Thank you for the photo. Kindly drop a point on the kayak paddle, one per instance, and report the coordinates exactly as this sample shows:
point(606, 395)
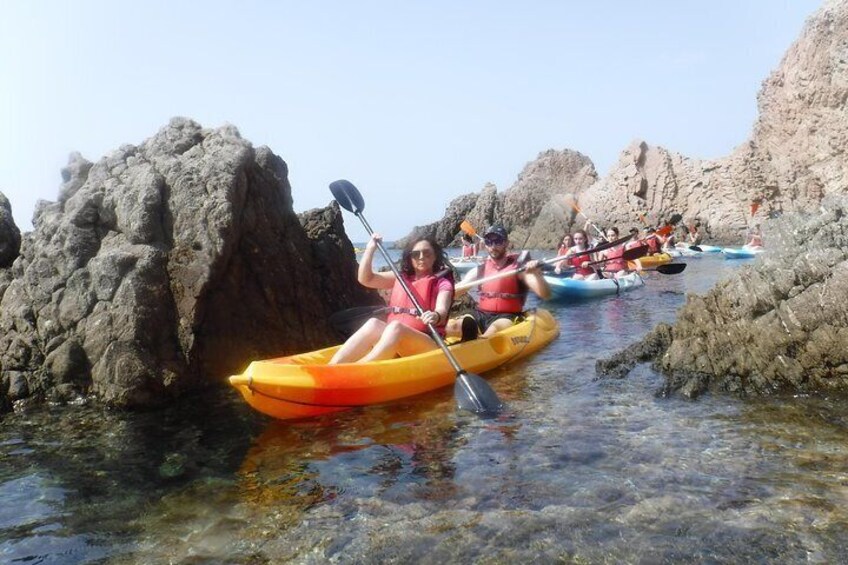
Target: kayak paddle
point(471, 391)
point(628, 255)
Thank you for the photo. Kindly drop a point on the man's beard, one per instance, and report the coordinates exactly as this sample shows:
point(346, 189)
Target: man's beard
point(497, 253)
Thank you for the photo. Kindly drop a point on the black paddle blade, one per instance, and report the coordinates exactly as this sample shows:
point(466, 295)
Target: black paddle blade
point(671, 268)
point(635, 252)
point(695, 248)
point(474, 394)
point(347, 196)
point(346, 322)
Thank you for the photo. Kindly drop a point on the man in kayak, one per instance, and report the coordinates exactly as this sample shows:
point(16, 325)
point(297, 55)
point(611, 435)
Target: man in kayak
point(405, 332)
point(501, 302)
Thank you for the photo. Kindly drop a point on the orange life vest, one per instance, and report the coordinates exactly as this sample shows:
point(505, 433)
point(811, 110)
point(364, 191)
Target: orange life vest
point(577, 260)
point(616, 263)
point(401, 308)
point(502, 296)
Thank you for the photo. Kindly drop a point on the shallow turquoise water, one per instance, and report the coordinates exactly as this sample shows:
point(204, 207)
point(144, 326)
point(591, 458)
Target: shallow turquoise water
point(578, 469)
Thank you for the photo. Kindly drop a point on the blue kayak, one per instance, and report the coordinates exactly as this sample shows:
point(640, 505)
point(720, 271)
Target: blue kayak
point(570, 289)
point(741, 252)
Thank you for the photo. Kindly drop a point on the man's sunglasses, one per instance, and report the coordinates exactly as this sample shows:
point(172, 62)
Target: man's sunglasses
point(494, 240)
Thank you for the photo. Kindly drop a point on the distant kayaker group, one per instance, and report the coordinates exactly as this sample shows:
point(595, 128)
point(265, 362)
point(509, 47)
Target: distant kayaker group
point(427, 272)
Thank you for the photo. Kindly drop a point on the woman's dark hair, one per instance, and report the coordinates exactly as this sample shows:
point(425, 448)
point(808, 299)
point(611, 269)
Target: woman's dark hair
point(585, 238)
point(441, 263)
point(467, 238)
point(615, 230)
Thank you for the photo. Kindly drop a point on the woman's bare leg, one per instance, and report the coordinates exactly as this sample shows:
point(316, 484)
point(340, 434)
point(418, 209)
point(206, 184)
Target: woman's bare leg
point(398, 339)
point(360, 342)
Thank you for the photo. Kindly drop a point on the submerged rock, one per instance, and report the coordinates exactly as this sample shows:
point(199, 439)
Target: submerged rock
point(779, 325)
point(166, 266)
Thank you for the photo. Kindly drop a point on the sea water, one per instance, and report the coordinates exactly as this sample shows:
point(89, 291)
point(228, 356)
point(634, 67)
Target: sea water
point(576, 469)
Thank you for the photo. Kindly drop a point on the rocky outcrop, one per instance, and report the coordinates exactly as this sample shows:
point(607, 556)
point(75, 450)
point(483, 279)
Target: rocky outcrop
point(166, 266)
point(780, 325)
point(534, 209)
point(10, 235)
point(794, 157)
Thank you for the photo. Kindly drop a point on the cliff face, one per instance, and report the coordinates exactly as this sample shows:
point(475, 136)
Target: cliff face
point(780, 325)
point(795, 157)
point(534, 210)
point(166, 266)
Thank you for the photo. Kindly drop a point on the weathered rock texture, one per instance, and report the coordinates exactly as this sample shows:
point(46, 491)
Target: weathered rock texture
point(10, 235)
point(795, 156)
point(780, 325)
point(534, 209)
point(166, 266)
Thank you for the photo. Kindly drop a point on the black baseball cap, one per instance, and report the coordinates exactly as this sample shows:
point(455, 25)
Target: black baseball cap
point(496, 230)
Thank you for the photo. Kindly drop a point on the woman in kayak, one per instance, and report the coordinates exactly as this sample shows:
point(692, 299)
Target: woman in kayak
point(423, 268)
point(615, 266)
point(469, 248)
point(580, 263)
point(566, 244)
point(755, 240)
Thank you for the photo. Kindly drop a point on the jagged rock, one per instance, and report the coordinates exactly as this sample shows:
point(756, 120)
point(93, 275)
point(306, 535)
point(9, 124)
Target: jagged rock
point(779, 325)
point(533, 209)
point(10, 235)
point(164, 267)
point(795, 157)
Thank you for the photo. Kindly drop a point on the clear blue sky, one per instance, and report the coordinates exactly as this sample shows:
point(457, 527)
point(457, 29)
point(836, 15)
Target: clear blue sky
point(416, 103)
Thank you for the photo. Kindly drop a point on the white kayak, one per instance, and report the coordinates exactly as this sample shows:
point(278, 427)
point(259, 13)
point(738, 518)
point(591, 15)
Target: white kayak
point(571, 289)
point(465, 264)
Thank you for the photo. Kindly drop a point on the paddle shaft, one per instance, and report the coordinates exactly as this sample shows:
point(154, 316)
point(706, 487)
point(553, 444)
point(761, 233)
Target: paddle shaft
point(471, 284)
point(591, 223)
point(435, 334)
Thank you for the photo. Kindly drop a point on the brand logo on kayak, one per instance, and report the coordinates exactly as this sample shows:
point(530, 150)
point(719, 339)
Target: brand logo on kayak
point(520, 339)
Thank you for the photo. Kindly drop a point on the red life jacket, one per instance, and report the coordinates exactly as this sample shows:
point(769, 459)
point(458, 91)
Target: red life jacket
point(616, 263)
point(577, 260)
point(563, 249)
point(402, 309)
point(468, 250)
point(503, 296)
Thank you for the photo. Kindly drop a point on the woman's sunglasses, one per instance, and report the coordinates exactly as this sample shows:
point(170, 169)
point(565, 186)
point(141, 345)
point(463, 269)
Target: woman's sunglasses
point(421, 254)
point(492, 241)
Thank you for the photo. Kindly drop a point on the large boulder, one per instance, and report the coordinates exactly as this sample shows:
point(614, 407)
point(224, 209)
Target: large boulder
point(780, 325)
point(165, 267)
point(10, 235)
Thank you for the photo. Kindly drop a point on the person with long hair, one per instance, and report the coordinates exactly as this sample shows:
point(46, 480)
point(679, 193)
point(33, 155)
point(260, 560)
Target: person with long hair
point(423, 268)
point(580, 263)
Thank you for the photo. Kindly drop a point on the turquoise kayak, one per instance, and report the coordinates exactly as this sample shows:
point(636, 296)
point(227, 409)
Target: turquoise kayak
point(710, 249)
point(570, 289)
point(741, 252)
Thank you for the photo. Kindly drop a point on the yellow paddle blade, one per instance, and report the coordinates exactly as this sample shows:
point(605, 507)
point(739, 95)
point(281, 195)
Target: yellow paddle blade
point(466, 227)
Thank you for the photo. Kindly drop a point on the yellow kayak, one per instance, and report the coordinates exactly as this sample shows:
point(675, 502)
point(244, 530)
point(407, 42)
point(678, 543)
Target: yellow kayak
point(304, 385)
point(649, 261)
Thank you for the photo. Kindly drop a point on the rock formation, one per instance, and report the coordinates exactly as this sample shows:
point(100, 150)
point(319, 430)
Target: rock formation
point(795, 157)
point(10, 235)
point(534, 209)
point(780, 325)
point(166, 266)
